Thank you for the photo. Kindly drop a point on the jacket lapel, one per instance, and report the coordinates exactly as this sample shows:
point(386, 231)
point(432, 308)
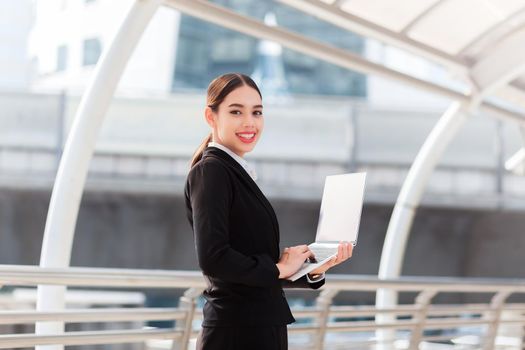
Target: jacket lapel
point(247, 179)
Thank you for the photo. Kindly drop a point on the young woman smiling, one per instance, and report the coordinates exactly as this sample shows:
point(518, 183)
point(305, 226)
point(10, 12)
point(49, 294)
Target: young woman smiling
point(236, 231)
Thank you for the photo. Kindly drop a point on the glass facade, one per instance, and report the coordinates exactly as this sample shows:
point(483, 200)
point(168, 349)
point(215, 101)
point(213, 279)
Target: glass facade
point(206, 50)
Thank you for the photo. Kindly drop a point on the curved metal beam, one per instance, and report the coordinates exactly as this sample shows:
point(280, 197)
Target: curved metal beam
point(502, 65)
point(73, 168)
point(406, 205)
point(517, 16)
point(408, 27)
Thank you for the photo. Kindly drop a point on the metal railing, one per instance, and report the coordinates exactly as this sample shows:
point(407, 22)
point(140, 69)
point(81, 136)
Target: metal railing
point(329, 327)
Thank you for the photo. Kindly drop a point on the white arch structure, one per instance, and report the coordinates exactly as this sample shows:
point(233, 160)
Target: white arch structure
point(491, 61)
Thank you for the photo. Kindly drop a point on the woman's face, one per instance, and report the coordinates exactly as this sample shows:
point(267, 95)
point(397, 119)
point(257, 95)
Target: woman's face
point(239, 122)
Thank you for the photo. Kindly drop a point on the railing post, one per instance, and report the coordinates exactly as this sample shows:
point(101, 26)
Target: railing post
point(323, 302)
point(188, 302)
point(496, 306)
point(423, 302)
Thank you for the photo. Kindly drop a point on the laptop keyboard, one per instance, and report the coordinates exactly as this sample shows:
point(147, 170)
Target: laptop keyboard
point(322, 253)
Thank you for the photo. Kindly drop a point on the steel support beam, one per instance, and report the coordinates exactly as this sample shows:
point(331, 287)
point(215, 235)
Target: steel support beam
point(72, 172)
point(502, 65)
point(406, 205)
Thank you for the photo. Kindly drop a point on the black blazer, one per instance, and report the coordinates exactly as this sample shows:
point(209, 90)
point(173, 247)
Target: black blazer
point(236, 237)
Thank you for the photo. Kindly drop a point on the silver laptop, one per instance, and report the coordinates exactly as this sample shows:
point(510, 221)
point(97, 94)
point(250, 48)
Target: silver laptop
point(339, 218)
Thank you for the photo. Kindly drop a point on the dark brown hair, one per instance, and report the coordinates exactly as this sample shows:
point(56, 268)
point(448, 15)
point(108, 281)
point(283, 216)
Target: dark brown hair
point(218, 89)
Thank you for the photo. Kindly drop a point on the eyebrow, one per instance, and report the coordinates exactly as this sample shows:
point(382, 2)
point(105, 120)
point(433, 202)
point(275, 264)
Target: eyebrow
point(240, 105)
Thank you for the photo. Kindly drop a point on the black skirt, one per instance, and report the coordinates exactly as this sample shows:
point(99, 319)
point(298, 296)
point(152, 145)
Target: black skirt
point(242, 338)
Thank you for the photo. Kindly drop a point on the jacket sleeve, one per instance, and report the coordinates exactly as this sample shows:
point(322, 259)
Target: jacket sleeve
point(209, 192)
point(302, 283)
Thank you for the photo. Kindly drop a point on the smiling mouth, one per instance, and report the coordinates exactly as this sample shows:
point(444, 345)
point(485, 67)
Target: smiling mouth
point(246, 137)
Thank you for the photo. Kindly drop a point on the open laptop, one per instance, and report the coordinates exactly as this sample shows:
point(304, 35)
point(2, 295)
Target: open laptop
point(339, 218)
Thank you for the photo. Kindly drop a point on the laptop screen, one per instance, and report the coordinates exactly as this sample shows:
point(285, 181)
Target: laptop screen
point(341, 207)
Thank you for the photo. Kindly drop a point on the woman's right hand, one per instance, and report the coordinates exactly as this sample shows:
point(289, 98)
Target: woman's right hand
point(292, 259)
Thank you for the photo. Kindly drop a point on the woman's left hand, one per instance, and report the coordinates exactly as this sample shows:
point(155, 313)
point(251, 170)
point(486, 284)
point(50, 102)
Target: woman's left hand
point(344, 253)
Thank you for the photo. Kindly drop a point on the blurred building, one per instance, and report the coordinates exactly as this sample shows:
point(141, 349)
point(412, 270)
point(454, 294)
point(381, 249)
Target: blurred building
point(179, 53)
point(16, 19)
point(206, 50)
point(69, 36)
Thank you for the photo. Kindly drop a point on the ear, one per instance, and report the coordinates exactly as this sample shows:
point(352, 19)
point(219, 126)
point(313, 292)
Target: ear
point(209, 116)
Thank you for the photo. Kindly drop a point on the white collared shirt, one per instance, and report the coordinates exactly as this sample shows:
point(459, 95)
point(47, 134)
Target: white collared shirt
point(247, 166)
point(251, 171)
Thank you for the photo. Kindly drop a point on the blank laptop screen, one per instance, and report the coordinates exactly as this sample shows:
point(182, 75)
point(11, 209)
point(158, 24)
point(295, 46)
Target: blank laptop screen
point(341, 207)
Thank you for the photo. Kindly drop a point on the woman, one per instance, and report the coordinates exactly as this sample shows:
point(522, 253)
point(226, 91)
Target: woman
point(236, 231)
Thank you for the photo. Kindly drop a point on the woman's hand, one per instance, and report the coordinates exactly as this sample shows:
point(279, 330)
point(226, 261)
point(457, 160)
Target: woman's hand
point(292, 259)
point(344, 253)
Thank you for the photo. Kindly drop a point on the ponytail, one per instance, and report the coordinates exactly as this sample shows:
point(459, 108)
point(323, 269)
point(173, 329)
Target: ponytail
point(198, 153)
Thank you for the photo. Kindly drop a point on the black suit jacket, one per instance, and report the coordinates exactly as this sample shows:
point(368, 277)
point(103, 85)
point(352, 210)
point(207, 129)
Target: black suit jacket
point(236, 237)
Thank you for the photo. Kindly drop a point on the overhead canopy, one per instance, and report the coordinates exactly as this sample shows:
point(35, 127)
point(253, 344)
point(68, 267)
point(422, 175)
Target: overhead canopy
point(481, 40)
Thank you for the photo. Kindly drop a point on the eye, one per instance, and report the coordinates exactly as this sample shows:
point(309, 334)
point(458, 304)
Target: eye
point(235, 112)
point(258, 113)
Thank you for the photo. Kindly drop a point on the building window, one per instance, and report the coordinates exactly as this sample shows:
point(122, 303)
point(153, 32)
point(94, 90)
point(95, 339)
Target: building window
point(233, 48)
point(92, 49)
point(61, 58)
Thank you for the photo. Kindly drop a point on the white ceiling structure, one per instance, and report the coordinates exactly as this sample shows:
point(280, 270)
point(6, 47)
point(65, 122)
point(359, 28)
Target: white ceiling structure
point(482, 41)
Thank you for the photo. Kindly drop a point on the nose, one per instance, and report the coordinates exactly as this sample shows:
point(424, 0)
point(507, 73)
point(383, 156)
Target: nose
point(249, 121)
